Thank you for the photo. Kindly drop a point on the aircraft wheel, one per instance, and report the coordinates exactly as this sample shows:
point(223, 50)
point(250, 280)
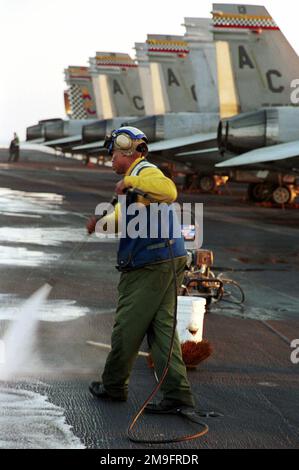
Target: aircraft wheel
point(206, 183)
point(283, 195)
point(259, 192)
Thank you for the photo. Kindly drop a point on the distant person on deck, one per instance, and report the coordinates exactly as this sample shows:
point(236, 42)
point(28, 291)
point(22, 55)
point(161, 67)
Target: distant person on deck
point(14, 149)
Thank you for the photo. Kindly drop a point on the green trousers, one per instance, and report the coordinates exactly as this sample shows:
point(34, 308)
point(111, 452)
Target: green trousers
point(145, 306)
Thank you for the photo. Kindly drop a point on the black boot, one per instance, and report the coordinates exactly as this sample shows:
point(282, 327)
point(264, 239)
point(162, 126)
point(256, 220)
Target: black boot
point(98, 390)
point(167, 406)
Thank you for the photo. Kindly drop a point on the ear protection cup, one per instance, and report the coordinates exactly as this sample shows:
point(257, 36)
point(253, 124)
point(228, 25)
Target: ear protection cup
point(123, 142)
point(126, 139)
point(142, 148)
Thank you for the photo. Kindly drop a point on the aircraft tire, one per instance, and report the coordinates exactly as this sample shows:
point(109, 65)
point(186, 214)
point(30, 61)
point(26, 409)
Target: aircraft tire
point(260, 192)
point(206, 183)
point(283, 195)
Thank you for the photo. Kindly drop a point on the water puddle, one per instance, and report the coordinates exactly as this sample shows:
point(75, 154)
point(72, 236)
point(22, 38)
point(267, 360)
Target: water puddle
point(17, 202)
point(16, 256)
point(44, 236)
point(26, 216)
point(29, 421)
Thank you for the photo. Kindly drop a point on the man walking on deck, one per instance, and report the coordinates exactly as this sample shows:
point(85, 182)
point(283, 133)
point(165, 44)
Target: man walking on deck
point(146, 288)
point(14, 149)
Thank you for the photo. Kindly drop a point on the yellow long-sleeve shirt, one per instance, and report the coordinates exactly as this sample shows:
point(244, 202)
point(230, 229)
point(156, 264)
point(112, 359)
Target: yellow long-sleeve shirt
point(150, 181)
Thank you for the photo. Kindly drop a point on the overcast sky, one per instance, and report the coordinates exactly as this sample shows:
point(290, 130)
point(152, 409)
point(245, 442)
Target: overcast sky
point(39, 38)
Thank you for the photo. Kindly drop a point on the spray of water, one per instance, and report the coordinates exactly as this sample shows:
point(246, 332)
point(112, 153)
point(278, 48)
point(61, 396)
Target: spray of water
point(20, 337)
point(27, 419)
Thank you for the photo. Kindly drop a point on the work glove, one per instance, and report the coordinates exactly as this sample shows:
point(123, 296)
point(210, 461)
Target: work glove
point(91, 224)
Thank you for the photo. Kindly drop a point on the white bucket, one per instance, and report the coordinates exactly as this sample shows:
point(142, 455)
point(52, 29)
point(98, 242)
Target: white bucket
point(191, 311)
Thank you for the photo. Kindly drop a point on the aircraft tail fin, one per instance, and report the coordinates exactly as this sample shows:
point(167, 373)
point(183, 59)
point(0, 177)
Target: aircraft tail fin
point(172, 71)
point(199, 36)
point(153, 98)
point(256, 63)
point(117, 84)
point(79, 98)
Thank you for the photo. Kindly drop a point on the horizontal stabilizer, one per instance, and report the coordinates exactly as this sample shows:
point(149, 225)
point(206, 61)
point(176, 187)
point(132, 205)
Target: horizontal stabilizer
point(264, 155)
point(181, 142)
point(65, 140)
point(39, 148)
point(36, 141)
point(98, 144)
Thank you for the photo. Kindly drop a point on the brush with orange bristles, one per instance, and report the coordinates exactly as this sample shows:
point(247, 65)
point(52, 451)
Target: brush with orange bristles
point(190, 319)
point(193, 353)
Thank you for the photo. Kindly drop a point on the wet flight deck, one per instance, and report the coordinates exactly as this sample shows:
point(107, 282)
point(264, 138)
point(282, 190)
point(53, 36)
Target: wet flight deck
point(250, 378)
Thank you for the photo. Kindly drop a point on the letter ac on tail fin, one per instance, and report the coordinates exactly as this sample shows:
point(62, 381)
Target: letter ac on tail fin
point(117, 84)
point(170, 56)
point(263, 62)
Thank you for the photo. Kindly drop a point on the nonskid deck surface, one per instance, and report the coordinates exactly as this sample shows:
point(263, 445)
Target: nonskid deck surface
point(249, 378)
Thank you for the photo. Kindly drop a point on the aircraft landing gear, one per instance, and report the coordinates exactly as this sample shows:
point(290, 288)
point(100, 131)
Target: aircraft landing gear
point(284, 195)
point(260, 192)
point(204, 183)
point(269, 192)
point(207, 183)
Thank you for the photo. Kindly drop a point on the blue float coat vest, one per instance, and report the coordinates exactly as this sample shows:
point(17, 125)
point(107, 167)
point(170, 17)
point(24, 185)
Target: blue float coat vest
point(143, 250)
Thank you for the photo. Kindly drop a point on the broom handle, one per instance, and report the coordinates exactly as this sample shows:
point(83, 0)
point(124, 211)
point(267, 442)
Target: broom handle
point(108, 347)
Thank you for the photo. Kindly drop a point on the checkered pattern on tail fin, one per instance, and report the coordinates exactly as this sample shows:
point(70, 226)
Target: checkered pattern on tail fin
point(243, 21)
point(77, 103)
